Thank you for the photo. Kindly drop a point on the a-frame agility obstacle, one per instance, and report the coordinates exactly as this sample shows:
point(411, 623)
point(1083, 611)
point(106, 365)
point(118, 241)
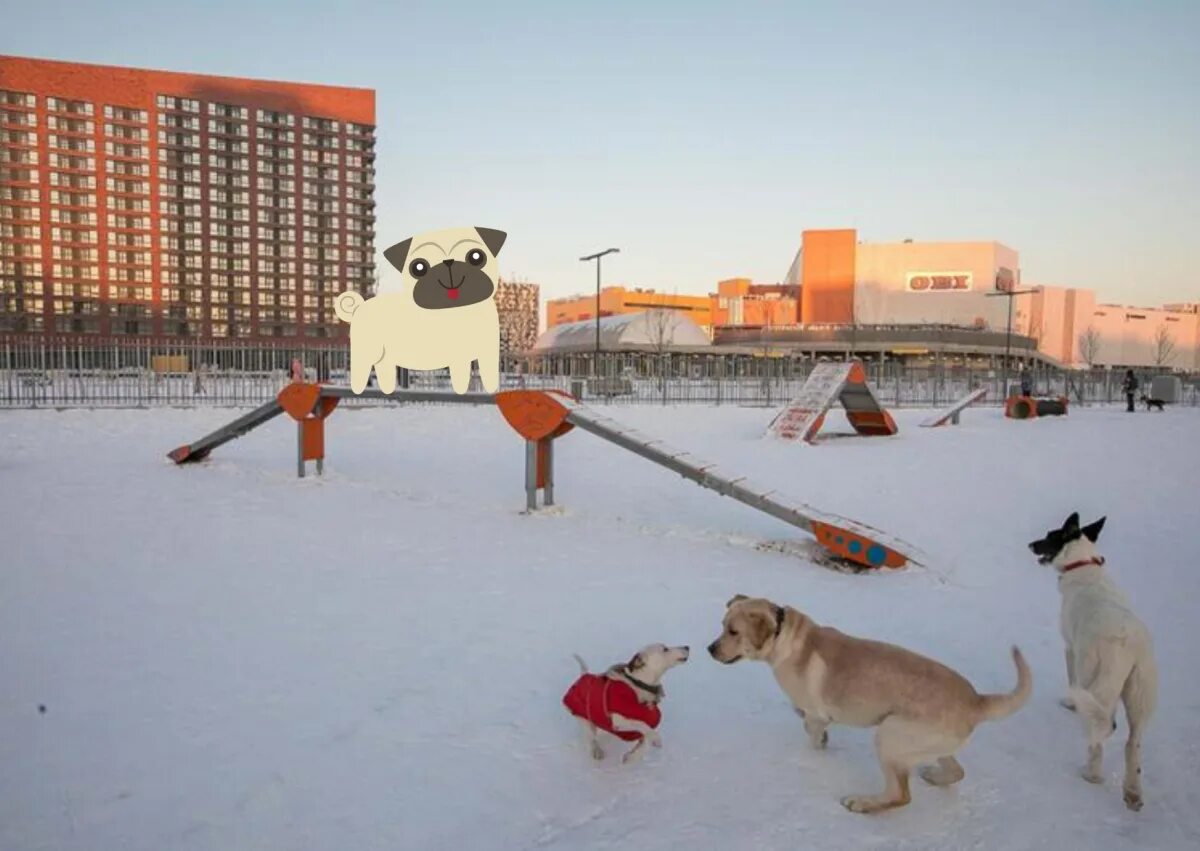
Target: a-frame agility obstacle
point(844, 382)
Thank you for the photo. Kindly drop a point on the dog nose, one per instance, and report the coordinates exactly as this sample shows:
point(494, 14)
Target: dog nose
point(449, 264)
point(712, 649)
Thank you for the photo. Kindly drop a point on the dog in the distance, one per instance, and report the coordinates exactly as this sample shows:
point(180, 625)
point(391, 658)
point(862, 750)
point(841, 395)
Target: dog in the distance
point(624, 700)
point(1109, 656)
point(1153, 403)
point(923, 711)
point(444, 314)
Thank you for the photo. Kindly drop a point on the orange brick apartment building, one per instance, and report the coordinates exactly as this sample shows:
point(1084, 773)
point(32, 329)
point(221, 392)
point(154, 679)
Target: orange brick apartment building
point(150, 203)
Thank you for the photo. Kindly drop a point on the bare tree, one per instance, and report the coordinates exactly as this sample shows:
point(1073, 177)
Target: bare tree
point(1164, 346)
point(661, 323)
point(1089, 345)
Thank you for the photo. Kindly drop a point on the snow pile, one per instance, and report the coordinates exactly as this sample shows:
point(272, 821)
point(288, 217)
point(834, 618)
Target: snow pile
point(231, 658)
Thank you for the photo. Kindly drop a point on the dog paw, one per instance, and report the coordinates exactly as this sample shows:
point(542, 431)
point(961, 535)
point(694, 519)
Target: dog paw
point(656, 741)
point(859, 803)
point(1091, 776)
point(1133, 800)
point(1067, 703)
point(597, 751)
point(631, 757)
point(821, 742)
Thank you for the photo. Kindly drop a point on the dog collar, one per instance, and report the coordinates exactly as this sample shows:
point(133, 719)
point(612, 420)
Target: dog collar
point(1084, 563)
point(654, 690)
point(780, 614)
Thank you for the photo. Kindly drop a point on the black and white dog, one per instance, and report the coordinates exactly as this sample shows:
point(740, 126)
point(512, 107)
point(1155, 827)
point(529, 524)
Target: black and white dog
point(1153, 403)
point(1110, 656)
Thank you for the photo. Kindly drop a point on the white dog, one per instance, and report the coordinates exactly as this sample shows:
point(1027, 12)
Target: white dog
point(624, 700)
point(1110, 656)
point(444, 316)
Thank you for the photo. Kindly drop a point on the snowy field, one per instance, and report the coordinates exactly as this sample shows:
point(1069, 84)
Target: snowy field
point(231, 658)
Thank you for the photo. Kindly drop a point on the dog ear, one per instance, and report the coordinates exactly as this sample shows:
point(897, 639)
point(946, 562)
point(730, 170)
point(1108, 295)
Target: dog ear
point(398, 253)
point(636, 663)
point(1092, 530)
point(761, 628)
point(493, 239)
point(737, 598)
point(1072, 524)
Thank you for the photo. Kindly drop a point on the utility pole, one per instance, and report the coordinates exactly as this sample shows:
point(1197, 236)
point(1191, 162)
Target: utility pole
point(1009, 293)
point(596, 257)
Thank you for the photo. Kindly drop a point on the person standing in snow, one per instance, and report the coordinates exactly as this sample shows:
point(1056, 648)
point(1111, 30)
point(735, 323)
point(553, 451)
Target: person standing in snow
point(1026, 382)
point(1129, 386)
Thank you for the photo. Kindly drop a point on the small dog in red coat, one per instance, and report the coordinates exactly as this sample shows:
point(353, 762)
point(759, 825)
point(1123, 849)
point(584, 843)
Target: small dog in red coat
point(624, 699)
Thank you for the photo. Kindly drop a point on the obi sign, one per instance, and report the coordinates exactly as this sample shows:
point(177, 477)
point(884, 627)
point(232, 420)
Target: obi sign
point(919, 282)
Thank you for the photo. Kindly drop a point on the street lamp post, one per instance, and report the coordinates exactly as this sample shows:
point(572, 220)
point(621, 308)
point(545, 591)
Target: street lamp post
point(1008, 329)
point(596, 257)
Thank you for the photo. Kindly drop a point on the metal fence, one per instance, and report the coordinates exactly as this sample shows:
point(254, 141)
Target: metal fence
point(143, 373)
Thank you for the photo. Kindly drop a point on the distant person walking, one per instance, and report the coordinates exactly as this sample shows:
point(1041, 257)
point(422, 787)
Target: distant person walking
point(1129, 386)
point(197, 384)
point(1026, 382)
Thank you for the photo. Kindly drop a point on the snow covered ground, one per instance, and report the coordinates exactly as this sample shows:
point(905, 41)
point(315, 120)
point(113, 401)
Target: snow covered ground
point(231, 658)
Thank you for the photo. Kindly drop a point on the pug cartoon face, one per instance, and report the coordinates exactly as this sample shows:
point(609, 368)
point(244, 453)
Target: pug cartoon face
point(448, 268)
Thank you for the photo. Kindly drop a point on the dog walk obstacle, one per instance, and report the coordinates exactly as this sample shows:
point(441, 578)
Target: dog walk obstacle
point(950, 415)
point(1028, 408)
point(309, 405)
point(844, 382)
point(541, 417)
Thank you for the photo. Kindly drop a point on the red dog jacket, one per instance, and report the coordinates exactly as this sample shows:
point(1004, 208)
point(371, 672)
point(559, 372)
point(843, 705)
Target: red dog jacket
point(595, 698)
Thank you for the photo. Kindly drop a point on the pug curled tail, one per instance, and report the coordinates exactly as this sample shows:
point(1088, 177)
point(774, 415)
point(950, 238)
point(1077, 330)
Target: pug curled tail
point(346, 304)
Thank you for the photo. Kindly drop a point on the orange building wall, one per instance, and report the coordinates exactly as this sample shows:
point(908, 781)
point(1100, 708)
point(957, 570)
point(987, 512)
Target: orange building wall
point(827, 276)
point(136, 88)
point(620, 300)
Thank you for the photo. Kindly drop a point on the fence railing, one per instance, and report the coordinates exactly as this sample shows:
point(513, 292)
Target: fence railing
point(49, 373)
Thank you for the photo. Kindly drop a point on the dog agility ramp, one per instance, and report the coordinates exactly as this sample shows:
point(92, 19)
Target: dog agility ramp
point(537, 415)
point(199, 450)
point(950, 415)
point(844, 382)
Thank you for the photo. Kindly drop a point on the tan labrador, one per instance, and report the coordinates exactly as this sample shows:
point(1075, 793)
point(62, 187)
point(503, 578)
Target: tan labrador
point(923, 711)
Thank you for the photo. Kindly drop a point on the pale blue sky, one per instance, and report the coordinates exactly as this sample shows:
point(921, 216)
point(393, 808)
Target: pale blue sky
point(701, 138)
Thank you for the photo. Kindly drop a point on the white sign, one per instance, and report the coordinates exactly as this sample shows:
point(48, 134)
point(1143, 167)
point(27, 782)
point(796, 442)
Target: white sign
point(922, 282)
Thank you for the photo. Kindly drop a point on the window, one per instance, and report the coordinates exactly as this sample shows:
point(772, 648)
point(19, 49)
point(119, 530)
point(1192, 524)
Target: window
point(9, 193)
point(16, 155)
point(227, 111)
point(129, 222)
point(73, 107)
point(132, 187)
point(21, 119)
point(125, 113)
point(228, 146)
point(179, 104)
point(178, 139)
point(68, 143)
point(70, 125)
point(134, 169)
point(73, 181)
point(120, 149)
point(17, 98)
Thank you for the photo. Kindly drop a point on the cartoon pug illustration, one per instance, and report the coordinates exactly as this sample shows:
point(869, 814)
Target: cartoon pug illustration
point(444, 315)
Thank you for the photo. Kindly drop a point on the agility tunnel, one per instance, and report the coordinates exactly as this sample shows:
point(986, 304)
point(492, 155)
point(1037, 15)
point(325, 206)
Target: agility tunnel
point(1028, 408)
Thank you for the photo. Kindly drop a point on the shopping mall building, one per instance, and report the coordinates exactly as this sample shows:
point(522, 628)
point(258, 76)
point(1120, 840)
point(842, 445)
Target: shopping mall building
point(935, 301)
